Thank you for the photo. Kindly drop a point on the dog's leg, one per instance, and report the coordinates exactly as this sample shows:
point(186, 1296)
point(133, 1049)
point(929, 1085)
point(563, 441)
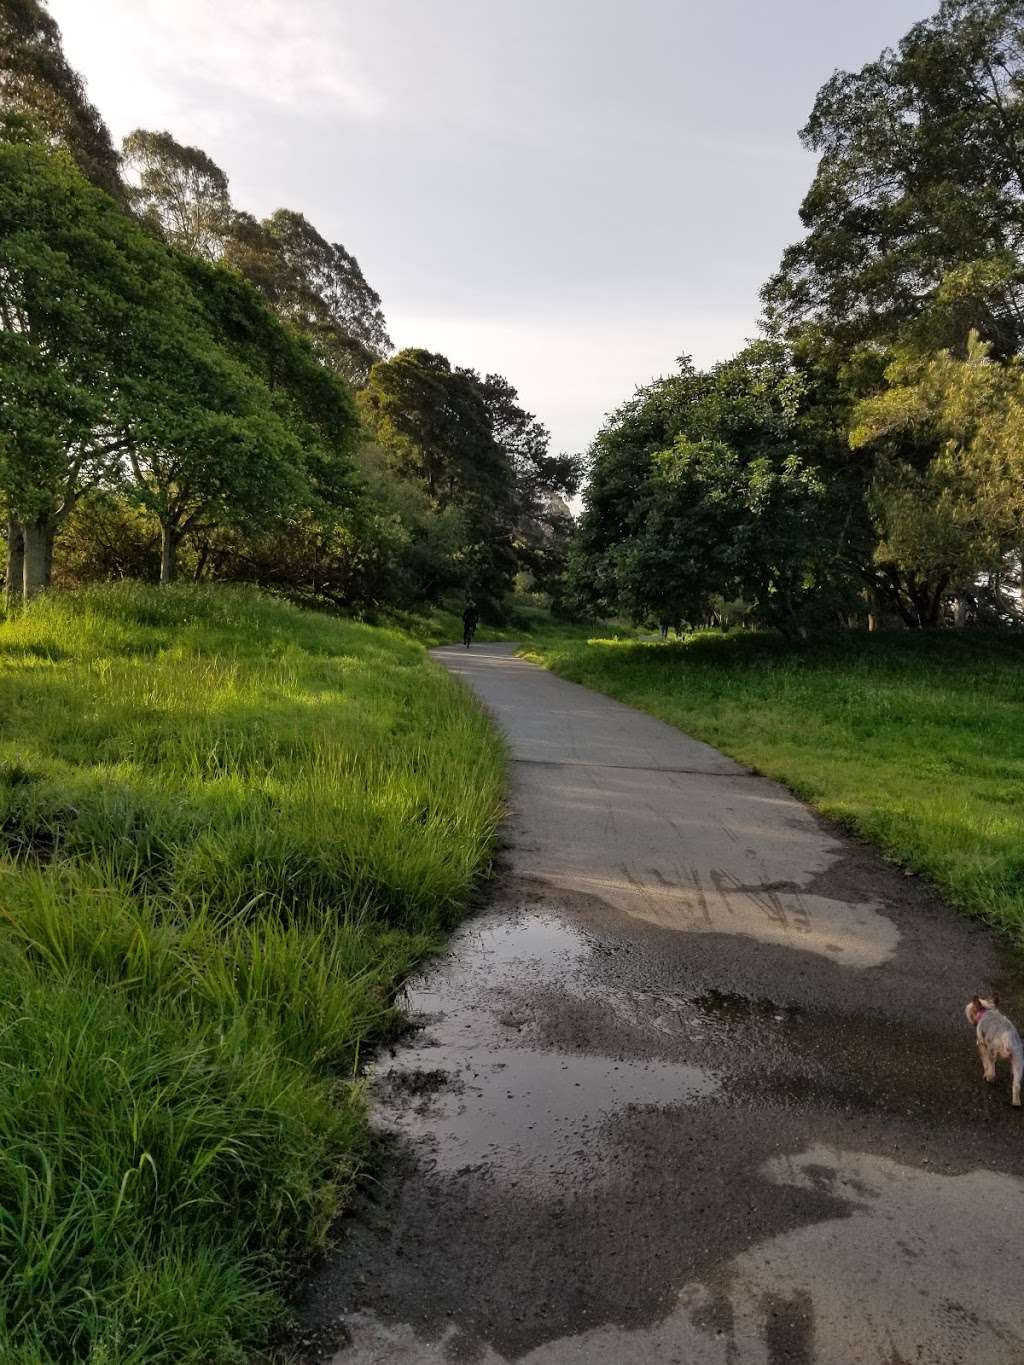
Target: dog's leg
point(987, 1062)
point(1017, 1062)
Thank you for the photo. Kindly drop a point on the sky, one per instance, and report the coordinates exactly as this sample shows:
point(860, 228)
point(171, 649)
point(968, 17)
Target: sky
point(568, 192)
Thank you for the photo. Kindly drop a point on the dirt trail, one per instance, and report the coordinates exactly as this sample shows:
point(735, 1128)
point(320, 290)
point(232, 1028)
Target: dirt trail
point(696, 1088)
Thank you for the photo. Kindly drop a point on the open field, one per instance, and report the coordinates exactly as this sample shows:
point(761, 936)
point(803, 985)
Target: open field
point(914, 741)
point(229, 829)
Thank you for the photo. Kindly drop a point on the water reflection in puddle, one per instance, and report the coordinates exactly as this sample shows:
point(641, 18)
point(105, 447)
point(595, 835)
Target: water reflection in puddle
point(472, 1090)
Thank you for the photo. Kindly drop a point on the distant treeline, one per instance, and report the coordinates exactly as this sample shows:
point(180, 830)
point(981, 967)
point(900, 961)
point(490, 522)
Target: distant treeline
point(864, 461)
point(184, 387)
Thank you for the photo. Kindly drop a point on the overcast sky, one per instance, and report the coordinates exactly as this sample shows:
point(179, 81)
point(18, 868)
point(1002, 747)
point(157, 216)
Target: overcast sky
point(569, 192)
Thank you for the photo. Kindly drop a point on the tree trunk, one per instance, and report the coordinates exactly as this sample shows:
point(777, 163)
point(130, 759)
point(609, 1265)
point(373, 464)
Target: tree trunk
point(168, 554)
point(933, 610)
point(37, 541)
point(14, 585)
point(200, 569)
point(960, 611)
point(48, 539)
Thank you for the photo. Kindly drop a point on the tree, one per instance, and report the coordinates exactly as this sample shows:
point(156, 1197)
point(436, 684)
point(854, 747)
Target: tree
point(124, 365)
point(62, 281)
point(301, 462)
point(460, 437)
point(947, 492)
point(713, 527)
point(724, 484)
point(433, 423)
point(180, 192)
point(916, 213)
point(315, 285)
point(36, 81)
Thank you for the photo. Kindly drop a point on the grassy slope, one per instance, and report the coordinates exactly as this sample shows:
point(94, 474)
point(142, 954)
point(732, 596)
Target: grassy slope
point(228, 828)
point(916, 742)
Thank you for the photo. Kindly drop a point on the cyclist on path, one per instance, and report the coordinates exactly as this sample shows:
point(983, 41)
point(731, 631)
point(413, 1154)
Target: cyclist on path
point(470, 617)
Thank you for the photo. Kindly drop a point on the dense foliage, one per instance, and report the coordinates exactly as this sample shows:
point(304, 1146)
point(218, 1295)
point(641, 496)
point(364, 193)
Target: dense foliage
point(185, 373)
point(861, 464)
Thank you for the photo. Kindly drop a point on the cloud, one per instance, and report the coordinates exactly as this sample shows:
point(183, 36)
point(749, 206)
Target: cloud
point(290, 55)
point(150, 62)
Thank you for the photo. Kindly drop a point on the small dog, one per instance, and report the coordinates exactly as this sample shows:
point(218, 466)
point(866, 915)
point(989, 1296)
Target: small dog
point(997, 1038)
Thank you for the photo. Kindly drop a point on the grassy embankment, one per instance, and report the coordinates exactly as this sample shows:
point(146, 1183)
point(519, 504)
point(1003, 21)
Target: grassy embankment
point(229, 828)
point(913, 741)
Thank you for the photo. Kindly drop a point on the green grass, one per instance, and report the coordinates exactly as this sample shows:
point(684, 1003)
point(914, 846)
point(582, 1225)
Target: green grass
point(228, 830)
point(914, 741)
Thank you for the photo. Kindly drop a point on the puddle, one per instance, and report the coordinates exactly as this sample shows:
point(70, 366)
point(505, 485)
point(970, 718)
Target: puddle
point(470, 1091)
point(923, 1267)
point(528, 949)
point(538, 1113)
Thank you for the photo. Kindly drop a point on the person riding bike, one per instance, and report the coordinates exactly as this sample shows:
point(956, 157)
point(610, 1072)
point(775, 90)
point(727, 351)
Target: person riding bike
point(470, 617)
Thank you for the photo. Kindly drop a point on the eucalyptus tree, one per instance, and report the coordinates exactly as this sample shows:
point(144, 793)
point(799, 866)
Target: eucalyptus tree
point(316, 285)
point(542, 483)
point(36, 81)
point(179, 191)
point(432, 421)
point(435, 425)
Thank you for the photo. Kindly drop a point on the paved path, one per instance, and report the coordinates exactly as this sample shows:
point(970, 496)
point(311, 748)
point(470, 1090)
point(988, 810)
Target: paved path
point(696, 1088)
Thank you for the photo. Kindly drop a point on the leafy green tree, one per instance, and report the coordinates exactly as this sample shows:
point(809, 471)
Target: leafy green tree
point(434, 424)
point(714, 527)
point(734, 483)
point(120, 368)
point(620, 466)
point(36, 81)
point(947, 493)
point(314, 284)
point(179, 191)
point(64, 276)
point(441, 426)
point(916, 213)
point(314, 401)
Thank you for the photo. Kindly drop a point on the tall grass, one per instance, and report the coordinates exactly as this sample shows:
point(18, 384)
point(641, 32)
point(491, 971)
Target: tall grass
point(913, 740)
point(227, 830)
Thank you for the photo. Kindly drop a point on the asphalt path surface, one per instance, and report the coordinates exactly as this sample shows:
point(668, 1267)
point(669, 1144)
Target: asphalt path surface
point(695, 1087)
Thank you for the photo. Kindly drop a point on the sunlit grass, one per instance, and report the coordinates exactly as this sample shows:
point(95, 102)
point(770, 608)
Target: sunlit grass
point(228, 829)
point(914, 741)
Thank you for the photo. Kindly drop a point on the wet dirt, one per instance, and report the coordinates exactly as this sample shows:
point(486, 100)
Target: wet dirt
point(635, 1137)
